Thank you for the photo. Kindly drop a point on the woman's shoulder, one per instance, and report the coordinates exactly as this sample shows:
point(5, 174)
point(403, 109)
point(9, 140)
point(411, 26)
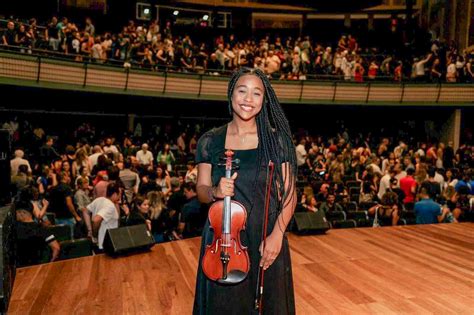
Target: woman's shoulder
point(212, 136)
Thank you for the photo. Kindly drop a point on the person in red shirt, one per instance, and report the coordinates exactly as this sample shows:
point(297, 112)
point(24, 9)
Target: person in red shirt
point(408, 185)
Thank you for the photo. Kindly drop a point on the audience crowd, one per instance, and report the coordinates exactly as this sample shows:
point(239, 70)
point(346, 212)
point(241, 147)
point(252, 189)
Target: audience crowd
point(98, 181)
point(158, 47)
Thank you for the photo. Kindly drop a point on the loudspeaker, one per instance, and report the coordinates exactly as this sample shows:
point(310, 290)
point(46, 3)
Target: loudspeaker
point(310, 222)
point(5, 154)
point(127, 239)
point(7, 255)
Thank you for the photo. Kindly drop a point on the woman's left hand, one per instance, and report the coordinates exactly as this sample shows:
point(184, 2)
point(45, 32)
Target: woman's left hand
point(272, 249)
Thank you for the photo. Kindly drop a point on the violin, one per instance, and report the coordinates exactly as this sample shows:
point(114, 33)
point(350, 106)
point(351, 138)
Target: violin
point(226, 260)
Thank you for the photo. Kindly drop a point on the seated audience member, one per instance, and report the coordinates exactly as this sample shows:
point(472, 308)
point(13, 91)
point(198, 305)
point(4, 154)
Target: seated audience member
point(191, 220)
point(21, 180)
point(429, 212)
point(387, 211)
point(310, 204)
point(32, 240)
point(105, 214)
point(463, 203)
point(139, 213)
point(330, 205)
point(368, 192)
point(158, 213)
point(40, 207)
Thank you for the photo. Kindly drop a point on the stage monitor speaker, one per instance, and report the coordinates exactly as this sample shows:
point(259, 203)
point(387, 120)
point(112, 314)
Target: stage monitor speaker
point(310, 222)
point(5, 155)
point(127, 239)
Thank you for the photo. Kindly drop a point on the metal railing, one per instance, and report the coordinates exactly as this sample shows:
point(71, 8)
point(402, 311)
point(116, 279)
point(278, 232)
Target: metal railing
point(26, 69)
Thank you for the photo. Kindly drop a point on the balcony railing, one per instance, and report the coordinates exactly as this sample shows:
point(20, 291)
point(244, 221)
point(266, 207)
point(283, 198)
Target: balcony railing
point(49, 72)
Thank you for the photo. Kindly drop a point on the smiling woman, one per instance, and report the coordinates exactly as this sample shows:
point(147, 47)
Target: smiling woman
point(258, 133)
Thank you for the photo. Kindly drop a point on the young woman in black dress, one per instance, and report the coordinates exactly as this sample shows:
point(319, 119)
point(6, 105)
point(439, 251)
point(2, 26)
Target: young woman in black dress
point(259, 132)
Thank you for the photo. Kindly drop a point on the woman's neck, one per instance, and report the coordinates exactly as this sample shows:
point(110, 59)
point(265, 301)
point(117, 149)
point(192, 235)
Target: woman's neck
point(242, 128)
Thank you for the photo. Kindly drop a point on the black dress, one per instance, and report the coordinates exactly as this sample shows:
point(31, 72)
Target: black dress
point(212, 298)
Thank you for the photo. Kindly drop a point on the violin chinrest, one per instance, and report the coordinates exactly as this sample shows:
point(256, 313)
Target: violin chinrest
point(233, 277)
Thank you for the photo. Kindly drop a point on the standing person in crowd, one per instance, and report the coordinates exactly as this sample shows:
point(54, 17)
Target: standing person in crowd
point(258, 132)
point(166, 157)
point(429, 212)
point(191, 173)
point(301, 152)
point(61, 202)
point(17, 161)
point(47, 152)
point(130, 180)
point(105, 214)
point(145, 158)
point(408, 185)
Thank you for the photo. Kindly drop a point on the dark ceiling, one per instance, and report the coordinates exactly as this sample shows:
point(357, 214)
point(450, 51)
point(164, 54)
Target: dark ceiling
point(328, 5)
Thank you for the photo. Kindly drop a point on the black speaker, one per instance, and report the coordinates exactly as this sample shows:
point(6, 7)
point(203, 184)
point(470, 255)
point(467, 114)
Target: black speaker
point(310, 222)
point(127, 239)
point(7, 255)
point(5, 154)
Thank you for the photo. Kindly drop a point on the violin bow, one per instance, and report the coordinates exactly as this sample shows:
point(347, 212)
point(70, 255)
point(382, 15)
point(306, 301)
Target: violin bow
point(261, 271)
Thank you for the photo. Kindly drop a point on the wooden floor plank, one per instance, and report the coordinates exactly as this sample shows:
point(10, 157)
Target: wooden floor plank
point(390, 270)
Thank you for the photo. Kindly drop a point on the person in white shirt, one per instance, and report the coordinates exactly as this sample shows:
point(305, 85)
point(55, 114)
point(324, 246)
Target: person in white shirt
point(145, 157)
point(385, 182)
point(94, 156)
point(301, 153)
point(17, 161)
point(110, 147)
point(105, 214)
point(451, 74)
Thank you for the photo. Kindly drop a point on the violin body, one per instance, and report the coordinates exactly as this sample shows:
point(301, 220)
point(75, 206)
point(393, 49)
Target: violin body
point(239, 263)
point(226, 260)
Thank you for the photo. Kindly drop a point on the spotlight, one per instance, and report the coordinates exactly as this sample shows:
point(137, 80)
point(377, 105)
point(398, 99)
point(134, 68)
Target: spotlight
point(175, 12)
point(146, 11)
point(205, 17)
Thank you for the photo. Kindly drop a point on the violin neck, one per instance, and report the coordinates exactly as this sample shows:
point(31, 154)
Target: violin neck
point(226, 219)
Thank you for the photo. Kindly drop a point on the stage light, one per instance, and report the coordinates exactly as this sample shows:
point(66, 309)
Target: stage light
point(205, 17)
point(146, 11)
point(175, 12)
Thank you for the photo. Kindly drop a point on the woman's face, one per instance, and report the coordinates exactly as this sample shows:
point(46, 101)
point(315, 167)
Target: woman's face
point(159, 171)
point(66, 166)
point(247, 97)
point(145, 206)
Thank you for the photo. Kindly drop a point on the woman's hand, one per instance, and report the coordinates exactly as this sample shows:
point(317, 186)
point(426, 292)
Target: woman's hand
point(225, 187)
point(272, 249)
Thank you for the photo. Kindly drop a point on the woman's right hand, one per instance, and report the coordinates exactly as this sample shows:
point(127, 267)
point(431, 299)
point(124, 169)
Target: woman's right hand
point(226, 187)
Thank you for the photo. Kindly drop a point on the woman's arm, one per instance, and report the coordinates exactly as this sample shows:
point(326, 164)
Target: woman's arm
point(206, 192)
point(274, 241)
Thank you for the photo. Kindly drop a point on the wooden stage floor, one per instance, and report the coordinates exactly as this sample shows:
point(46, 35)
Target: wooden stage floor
point(389, 270)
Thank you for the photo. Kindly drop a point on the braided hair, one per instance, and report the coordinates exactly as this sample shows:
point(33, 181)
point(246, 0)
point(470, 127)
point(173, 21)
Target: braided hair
point(274, 136)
